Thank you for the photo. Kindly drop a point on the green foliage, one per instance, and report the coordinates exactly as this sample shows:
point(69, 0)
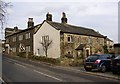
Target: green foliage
point(71, 62)
point(82, 55)
point(105, 49)
point(45, 59)
point(22, 54)
point(76, 62)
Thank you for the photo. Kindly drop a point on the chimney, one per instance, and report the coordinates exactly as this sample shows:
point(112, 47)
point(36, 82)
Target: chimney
point(48, 17)
point(30, 22)
point(15, 29)
point(63, 19)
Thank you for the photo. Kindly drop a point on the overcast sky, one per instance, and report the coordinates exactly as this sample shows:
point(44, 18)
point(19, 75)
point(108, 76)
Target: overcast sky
point(100, 15)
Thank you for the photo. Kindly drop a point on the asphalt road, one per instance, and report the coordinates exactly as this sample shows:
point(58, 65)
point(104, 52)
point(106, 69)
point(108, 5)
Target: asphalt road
point(22, 71)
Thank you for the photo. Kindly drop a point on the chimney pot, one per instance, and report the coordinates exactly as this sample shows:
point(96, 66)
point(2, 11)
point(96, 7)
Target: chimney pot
point(30, 22)
point(48, 17)
point(64, 19)
point(15, 28)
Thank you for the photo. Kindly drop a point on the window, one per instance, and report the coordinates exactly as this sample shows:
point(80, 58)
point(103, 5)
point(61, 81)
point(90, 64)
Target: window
point(27, 48)
point(13, 49)
point(70, 38)
point(14, 39)
point(45, 38)
point(27, 36)
point(89, 40)
point(20, 37)
point(101, 41)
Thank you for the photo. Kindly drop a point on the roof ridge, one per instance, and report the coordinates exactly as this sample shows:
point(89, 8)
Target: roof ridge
point(64, 27)
point(72, 25)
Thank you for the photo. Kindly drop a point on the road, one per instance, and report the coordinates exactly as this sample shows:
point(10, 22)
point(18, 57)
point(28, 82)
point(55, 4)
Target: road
point(20, 71)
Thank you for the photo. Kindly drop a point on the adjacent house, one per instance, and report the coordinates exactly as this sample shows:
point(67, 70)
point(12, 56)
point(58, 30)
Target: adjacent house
point(20, 40)
point(63, 39)
point(110, 45)
point(117, 49)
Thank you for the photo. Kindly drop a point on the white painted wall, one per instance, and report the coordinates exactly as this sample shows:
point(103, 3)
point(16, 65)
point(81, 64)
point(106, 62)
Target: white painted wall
point(54, 35)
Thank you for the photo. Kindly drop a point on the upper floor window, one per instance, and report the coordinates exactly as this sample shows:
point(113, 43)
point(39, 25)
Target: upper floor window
point(89, 40)
point(14, 39)
point(45, 38)
point(27, 35)
point(101, 41)
point(20, 37)
point(70, 38)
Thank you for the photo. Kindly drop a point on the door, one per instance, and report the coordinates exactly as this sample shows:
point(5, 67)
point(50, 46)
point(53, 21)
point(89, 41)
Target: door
point(87, 53)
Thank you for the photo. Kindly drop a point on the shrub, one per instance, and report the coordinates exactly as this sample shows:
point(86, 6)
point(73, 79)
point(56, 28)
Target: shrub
point(22, 54)
point(45, 59)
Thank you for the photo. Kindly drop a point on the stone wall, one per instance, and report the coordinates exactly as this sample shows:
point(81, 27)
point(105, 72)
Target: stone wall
point(93, 44)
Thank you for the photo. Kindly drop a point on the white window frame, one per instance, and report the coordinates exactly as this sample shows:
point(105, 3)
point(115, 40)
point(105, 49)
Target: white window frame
point(27, 35)
point(44, 38)
point(27, 48)
point(14, 39)
point(71, 38)
point(20, 37)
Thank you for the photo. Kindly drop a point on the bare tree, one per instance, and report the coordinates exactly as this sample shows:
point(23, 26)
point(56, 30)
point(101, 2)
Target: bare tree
point(3, 13)
point(46, 42)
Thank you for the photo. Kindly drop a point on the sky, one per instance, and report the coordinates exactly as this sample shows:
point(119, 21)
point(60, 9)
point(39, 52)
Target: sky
point(100, 15)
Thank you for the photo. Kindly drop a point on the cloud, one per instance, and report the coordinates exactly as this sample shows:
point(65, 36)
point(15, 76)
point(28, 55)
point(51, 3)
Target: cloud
point(99, 16)
point(62, 0)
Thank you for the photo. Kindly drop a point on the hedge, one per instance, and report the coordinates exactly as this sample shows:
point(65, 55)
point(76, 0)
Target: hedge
point(45, 59)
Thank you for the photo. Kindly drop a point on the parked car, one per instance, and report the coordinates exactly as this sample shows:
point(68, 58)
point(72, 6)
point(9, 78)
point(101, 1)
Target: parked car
point(115, 65)
point(100, 62)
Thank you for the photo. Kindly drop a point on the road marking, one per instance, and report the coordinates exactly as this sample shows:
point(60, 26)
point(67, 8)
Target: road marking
point(9, 61)
point(48, 75)
point(20, 65)
point(1, 79)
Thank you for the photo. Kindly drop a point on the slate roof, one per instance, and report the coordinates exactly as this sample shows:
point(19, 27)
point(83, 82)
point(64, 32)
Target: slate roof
point(36, 27)
point(66, 28)
point(109, 39)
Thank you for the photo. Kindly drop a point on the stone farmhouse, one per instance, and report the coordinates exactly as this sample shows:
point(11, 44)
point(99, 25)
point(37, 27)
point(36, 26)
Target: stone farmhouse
point(66, 40)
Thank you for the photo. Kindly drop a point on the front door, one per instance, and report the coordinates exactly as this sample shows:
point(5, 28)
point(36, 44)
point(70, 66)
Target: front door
point(87, 53)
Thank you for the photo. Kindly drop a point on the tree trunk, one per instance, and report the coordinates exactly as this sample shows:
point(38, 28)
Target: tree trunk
point(46, 52)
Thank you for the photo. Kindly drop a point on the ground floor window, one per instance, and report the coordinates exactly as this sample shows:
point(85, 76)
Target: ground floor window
point(14, 49)
point(27, 48)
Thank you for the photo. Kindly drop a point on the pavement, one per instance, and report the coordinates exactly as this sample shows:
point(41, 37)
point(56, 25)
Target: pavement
point(93, 72)
point(76, 69)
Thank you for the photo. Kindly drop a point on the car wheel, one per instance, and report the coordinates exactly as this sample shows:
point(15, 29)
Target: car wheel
point(88, 69)
point(103, 68)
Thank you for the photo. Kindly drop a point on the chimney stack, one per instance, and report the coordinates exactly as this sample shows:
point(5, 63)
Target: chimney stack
point(48, 17)
point(15, 29)
point(30, 22)
point(63, 19)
